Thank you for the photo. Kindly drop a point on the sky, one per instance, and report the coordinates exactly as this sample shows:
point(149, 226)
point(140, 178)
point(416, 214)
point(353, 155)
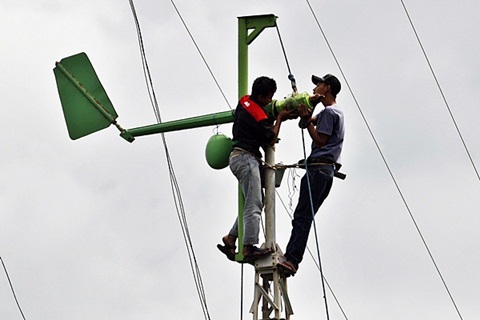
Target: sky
point(89, 229)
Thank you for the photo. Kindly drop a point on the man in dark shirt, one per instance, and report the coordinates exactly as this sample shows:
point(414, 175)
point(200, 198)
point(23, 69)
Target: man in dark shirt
point(252, 129)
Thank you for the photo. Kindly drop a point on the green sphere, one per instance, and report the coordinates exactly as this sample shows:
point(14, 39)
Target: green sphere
point(218, 151)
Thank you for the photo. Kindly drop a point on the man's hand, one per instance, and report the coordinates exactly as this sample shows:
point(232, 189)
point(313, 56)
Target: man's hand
point(303, 111)
point(287, 114)
point(305, 116)
point(316, 98)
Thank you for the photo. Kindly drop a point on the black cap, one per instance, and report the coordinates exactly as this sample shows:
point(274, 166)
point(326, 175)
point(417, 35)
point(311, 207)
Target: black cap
point(329, 79)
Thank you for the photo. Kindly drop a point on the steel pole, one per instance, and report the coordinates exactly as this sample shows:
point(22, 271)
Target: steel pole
point(270, 236)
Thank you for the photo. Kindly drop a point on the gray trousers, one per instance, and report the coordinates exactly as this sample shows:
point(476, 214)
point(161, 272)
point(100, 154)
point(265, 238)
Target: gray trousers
point(246, 168)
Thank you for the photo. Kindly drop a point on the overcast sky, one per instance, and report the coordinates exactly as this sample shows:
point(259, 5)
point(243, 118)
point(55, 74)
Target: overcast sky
point(89, 230)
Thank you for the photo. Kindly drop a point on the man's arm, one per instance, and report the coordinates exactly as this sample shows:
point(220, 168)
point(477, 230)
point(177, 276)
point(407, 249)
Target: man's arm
point(282, 116)
point(320, 139)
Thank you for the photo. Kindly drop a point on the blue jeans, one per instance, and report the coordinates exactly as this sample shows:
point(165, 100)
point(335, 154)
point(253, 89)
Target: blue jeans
point(321, 179)
point(246, 168)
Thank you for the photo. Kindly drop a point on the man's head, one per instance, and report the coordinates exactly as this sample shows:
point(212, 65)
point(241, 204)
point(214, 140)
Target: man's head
point(263, 89)
point(330, 82)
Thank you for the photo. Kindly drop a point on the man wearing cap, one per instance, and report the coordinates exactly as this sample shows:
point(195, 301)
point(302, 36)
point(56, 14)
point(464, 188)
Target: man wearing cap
point(327, 131)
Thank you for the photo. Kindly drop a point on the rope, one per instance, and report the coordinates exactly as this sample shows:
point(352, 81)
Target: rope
point(294, 87)
point(315, 227)
point(173, 180)
point(11, 288)
point(290, 75)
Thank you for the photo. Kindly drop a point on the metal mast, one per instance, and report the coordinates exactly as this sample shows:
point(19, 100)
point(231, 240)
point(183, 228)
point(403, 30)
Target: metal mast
point(270, 289)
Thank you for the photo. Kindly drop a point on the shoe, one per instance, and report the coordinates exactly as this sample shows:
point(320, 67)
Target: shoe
point(288, 268)
point(255, 253)
point(227, 249)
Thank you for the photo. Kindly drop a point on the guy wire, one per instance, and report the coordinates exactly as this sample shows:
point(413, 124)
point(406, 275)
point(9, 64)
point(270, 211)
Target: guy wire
point(173, 180)
point(11, 287)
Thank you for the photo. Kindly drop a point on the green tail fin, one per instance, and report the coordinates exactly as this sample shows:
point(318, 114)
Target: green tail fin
point(85, 103)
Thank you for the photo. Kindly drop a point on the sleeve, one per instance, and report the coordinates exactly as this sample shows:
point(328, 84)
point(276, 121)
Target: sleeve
point(326, 122)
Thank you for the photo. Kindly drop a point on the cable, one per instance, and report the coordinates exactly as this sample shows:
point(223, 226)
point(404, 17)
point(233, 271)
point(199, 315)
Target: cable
point(441, 91)
point(314, 226)
point(384, 161)
point(291, 190)
point(241, 293)
point(200, 52)
point(290, 75)
point(458, 131)
point(173, 180)
point(313, 258)
point(146, 69)
point(11, 288)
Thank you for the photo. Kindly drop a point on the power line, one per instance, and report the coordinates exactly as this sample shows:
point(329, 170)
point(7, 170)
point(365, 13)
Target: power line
point(11, 288)
point(383, 158)
point(458, 130)
point(173, 180)
point(201, 55)
point(440, 89)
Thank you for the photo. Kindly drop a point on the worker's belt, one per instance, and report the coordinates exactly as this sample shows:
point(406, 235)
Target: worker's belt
point(324, 161)
point(320, 161)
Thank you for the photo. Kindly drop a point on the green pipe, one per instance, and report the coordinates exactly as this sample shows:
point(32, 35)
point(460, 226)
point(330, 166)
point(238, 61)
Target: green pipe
point(257, 24)
point(242, 90)
point(242, 58)
point(194, 122)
